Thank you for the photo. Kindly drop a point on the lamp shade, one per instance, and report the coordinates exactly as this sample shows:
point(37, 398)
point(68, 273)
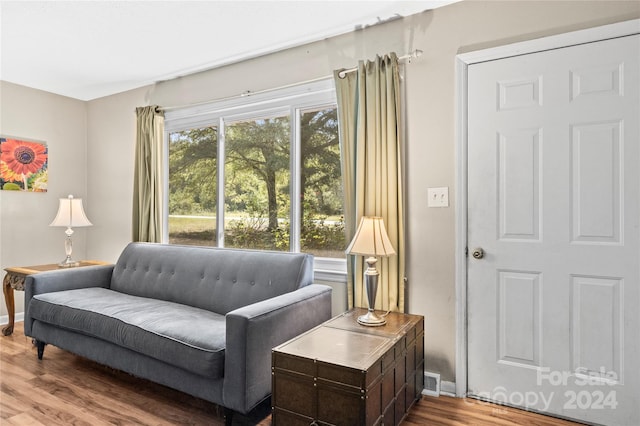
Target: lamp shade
point(371, 238)
point(70, 213)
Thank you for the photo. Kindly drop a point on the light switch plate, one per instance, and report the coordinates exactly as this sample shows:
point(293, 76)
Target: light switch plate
point(438, 197)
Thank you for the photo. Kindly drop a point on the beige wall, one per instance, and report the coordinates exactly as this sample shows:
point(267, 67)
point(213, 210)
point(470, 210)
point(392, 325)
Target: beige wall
point(430, 102)
point(25, 235)
point(111, 124)
point(462, 27)
point(431, 122)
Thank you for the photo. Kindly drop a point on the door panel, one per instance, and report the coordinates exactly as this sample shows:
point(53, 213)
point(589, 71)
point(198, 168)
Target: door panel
point(553, 199)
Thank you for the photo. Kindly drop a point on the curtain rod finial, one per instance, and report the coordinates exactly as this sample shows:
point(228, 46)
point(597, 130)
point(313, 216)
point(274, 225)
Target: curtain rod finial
point(414, 54)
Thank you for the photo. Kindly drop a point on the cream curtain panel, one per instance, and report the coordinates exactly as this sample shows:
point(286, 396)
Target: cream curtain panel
point(370, 144)
point(148, 186)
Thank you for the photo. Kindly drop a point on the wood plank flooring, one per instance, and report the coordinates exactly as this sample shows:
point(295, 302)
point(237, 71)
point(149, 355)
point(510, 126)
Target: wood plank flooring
point(448, 411)
point(65, 389)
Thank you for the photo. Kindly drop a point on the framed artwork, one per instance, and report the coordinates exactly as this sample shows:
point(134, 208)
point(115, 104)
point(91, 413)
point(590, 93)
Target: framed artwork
point(23, 165)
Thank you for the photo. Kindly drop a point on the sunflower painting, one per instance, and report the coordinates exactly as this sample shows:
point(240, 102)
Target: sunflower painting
point(23, 165)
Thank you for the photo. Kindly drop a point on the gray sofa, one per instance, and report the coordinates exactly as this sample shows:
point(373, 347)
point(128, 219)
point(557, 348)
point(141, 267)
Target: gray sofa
point(200, 320)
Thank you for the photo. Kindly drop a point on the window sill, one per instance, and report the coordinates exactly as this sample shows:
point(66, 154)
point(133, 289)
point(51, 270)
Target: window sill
point(332, 270)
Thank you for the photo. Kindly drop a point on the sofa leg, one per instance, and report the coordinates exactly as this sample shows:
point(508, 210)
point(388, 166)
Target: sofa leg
point(228, 416)
point(40, 346)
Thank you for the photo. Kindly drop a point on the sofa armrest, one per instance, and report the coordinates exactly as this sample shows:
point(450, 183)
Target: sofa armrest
point(63, 279)
point(252, 332)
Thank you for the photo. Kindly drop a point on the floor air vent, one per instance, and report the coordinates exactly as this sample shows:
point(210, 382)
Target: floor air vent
point(431, 384)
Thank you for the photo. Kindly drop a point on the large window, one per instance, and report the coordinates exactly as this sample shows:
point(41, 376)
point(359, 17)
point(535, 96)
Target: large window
point(257, 183)
point(192, 186)
point(260, 172)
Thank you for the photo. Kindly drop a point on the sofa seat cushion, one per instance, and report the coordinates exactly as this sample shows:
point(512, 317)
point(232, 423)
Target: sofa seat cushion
point(188, 337)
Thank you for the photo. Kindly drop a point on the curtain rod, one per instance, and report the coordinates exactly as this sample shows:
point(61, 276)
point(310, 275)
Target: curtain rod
point(409, 56)
point(415, 54)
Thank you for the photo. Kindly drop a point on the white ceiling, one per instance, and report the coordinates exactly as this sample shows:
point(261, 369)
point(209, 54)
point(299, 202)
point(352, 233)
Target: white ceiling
point(89, 49)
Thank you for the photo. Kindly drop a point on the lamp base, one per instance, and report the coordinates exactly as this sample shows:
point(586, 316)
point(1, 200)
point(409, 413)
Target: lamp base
point(68, 263)
point(371, 319)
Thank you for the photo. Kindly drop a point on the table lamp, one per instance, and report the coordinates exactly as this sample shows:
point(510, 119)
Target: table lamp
point(70, 214)
point(371, 240)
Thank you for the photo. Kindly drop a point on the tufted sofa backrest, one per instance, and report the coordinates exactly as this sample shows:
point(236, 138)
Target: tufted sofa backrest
point(216, 279)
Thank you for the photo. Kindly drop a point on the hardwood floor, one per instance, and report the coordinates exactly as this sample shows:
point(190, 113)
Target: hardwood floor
point(65, 389)
point(448, 411)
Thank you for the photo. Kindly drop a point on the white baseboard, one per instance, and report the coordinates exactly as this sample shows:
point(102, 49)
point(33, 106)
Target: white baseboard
point(448, 388)
point(4, 319)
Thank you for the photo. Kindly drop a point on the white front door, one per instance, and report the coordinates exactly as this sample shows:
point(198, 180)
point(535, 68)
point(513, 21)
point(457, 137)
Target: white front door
point(553, 304)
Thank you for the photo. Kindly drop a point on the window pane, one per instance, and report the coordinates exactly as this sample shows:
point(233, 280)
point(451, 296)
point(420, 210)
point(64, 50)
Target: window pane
point(257, 181)
point(322, 227)
point(192, 187)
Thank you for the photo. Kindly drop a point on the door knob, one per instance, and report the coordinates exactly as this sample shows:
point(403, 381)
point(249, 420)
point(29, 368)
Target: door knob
point(478, 253)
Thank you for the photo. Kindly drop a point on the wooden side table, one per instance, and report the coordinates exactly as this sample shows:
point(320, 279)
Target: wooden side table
point(15, 278)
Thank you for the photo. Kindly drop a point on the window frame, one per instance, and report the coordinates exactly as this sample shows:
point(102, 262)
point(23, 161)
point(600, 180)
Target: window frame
point(293, 100)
